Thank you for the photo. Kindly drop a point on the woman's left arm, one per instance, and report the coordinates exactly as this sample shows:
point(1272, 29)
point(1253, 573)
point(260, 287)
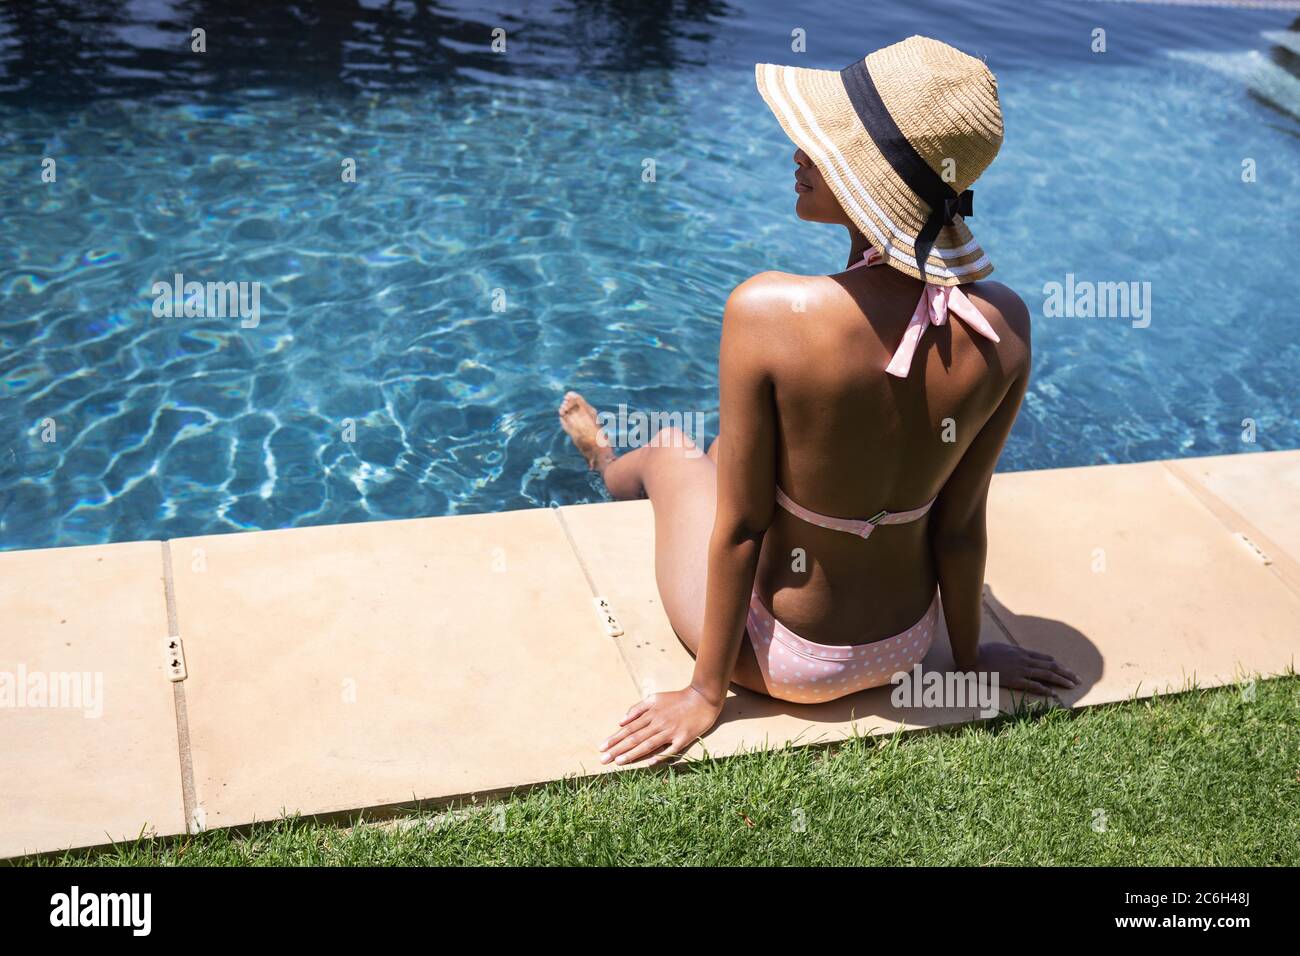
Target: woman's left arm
point(746, 480)
point(746, 463)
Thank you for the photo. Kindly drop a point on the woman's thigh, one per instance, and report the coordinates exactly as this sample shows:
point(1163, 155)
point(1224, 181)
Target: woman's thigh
point(683, 490)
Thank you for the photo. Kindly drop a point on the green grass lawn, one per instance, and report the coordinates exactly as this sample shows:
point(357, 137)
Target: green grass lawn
point(1203, 778)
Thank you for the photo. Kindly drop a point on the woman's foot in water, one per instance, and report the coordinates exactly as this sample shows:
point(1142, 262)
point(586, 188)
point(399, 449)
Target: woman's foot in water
point(578, 419)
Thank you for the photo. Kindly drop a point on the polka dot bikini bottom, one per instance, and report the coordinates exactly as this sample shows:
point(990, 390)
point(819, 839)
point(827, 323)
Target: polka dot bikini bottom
point(806, 673)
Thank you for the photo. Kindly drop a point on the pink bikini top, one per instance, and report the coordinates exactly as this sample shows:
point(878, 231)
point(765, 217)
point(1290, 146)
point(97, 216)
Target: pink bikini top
point(862, 527)
point(936, 302)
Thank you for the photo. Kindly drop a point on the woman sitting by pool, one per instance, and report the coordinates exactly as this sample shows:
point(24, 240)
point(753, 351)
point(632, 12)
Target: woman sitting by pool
point(851, 394)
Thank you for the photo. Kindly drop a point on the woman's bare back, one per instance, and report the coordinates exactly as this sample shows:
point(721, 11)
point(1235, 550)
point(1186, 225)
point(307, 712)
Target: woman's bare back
point(853, 440)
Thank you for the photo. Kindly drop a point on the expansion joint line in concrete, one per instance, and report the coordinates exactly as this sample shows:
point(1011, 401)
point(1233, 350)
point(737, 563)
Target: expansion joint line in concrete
point(595, 594)
point(992, 608)
point(193, 814)
point(1283, 567)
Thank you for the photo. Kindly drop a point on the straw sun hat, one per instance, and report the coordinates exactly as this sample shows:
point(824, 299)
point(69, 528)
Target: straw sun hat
point(899, 137)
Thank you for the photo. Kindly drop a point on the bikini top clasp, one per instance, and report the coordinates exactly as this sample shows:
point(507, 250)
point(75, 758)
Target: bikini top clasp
point(858, 526)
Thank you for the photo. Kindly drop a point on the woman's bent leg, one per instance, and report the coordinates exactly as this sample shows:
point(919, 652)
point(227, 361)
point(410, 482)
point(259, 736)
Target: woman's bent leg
point(681, 483)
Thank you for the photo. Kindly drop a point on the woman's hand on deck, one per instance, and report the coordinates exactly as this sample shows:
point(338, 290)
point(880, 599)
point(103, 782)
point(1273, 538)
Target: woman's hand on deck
point(1019, 668)
point(662, 726)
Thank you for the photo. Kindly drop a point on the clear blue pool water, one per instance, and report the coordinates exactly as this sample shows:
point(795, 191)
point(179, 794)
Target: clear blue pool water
point(523, 173)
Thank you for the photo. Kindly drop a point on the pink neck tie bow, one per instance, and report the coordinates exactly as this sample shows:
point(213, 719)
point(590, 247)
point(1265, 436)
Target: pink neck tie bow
point(933, 308)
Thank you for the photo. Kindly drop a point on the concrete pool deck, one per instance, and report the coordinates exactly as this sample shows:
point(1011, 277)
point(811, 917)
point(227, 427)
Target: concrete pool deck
point(388, 664)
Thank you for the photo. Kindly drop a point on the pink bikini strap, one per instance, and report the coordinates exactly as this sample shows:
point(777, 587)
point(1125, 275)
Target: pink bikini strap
point(933, 308)
point(862, 528)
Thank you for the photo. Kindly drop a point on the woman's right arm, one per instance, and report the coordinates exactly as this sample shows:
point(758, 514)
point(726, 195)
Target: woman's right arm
point(959, 543)
point(958, 536)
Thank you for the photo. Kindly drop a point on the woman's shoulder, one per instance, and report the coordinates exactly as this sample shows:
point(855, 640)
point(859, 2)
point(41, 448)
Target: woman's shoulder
point(758, 288)
point(1004, 300)
point(772, 295)
point(1009, 315)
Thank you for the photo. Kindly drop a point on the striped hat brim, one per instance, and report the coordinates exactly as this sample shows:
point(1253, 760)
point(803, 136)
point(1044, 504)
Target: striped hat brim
point(815, 111)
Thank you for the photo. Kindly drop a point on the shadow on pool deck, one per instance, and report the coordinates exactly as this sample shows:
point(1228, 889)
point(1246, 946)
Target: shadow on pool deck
point(339, 668)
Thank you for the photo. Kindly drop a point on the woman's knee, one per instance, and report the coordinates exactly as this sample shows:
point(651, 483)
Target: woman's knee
point(673, 459)
point(677, 441)
point(670, 436)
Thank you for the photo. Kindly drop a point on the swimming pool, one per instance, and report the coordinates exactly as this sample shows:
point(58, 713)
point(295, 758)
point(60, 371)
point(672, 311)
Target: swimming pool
point(500, 243)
